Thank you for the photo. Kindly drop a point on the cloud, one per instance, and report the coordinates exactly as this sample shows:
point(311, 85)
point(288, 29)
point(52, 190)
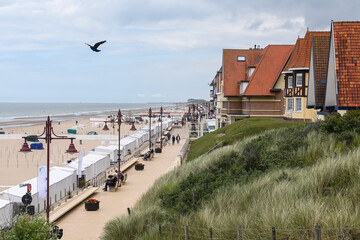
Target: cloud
point(162, 46)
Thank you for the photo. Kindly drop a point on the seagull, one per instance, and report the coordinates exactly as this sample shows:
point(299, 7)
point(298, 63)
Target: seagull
point(94, 48)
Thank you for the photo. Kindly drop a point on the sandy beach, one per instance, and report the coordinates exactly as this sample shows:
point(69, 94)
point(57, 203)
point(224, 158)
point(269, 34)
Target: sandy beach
point(16, 167)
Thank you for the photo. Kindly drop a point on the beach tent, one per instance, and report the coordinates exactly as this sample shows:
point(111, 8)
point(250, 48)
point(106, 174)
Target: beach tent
point(6, 213)
point(112, 150)
point(96, 125)
point(87, 168)
point(97, 120)
point(61, 181)
point(138, 138)
point(101, 162)
point(37, 146)
point(129, 145)
point(71, 131)
point(80, 127)
point(146, 129)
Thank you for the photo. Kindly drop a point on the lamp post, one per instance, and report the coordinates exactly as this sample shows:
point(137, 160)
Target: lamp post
point(119, 153)
point(105, 126)
point(48, 136)
point(161, 113)
point(150, 115)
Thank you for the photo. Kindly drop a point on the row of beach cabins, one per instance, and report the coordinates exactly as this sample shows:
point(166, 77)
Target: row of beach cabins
point(64, 180)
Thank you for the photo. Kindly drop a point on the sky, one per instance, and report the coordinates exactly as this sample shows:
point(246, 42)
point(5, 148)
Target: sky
point(156, 50)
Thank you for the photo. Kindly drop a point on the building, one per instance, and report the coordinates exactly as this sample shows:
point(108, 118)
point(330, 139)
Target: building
point(296, 76)
point(237, 67)
point(339, 89)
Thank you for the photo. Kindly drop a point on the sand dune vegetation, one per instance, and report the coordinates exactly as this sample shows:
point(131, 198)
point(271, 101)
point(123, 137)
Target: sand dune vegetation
point(290, 179)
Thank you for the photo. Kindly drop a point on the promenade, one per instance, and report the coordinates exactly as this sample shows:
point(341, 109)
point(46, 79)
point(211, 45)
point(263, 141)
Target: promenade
point(79, 224)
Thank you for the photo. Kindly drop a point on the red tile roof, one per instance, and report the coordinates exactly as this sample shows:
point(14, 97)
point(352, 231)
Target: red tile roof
point(268, 69)
point(235, 71)
point(321, 56)
point(347, 55)
point(300, 58)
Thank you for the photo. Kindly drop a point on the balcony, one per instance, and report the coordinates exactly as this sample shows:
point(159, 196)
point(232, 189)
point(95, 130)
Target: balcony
point(212, 94)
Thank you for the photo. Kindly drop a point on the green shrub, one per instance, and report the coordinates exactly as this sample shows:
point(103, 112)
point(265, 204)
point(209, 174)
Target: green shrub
point(29, 228)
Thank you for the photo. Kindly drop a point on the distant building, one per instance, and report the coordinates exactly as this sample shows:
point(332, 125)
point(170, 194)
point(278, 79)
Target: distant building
point(196, 101)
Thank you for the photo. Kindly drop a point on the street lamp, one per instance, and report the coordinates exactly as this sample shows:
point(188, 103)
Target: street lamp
point(48, 136)
point(150, 115)
point(119, 116)
point(105, 126)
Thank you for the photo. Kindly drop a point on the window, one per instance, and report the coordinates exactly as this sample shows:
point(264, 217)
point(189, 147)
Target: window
point(298, 105)
point(299, 79)
point(241, 58)
point(290, 81)
point(243, 86)
point(290, 104)
point(224, 105)
point(251, 70)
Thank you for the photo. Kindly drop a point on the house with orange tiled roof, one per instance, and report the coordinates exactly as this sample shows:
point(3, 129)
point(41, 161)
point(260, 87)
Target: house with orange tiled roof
point(296, 75)
point(335, 69)
point(343, 72)
point(319, 58)
point(263, 96)
point(237, 67)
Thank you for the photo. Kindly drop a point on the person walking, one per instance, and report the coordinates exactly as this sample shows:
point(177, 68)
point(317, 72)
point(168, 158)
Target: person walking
point(173, 139)
point(178, 138)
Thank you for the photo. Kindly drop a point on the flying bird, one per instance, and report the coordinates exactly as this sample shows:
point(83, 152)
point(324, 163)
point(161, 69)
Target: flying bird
point(95, 47)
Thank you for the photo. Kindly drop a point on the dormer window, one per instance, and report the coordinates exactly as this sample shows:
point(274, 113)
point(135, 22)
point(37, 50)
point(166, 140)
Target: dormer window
point(251, 71)
point(241, 58)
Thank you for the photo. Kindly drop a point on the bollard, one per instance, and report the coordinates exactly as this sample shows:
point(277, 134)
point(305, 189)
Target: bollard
point(273, 234)
point(239, 233)
point(147, 224)
point(186, 233)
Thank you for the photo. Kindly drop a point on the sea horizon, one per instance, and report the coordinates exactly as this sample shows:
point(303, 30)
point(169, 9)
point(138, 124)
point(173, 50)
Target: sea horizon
point(28, 113)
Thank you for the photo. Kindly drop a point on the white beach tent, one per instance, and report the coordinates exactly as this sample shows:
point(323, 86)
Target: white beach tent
point(101, 162)
point(129, 145)
point(112, 150)
point(146, 129)
point(138, 136)
point(6, 213)
point(87, 169)
point(61, 181)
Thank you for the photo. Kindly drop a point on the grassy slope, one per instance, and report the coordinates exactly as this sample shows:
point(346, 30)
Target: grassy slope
point(234, 132)
point(288, 178)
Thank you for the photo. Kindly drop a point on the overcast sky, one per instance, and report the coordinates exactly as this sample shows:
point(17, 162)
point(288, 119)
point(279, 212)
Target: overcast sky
point(156, 50)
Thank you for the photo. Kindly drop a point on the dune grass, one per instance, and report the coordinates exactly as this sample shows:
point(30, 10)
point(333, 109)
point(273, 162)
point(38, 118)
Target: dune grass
point(290, 179)
point(234, 132)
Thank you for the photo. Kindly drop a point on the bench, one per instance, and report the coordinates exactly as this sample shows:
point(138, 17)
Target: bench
point(149, 157)
point(114, 188)
point(125, 178)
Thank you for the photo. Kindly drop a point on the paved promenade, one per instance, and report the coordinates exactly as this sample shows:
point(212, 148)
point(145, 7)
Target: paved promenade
point(81, 224)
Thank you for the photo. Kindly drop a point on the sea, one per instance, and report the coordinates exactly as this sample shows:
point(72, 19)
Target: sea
point(26, 114)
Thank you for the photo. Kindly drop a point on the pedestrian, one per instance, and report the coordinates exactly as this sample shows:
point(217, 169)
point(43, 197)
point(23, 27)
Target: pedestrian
point(168, 136)
point(173, 139)
point(178, 138)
